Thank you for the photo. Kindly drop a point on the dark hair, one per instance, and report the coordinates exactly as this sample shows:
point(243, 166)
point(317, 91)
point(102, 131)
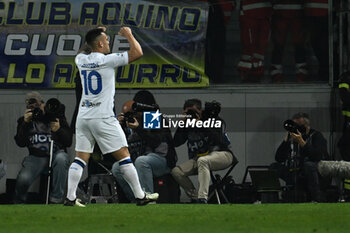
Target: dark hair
point(303, 115)
point(144, 97)
point(91, 36)
point(193, 102)
point(300, 115)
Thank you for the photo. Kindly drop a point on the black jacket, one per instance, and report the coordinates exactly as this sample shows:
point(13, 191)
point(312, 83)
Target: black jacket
point(202, 140)
point(36, 136)
point(314, 150)
point(154, 140)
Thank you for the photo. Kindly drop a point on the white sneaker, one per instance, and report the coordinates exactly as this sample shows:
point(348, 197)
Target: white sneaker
point(149, 197)
point(76, 202)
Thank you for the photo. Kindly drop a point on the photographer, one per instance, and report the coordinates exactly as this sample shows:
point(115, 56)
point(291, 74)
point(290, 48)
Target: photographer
point(207, 150)
point(151, 150)
point(344, 93)
point(35, 130)
point(298, 155)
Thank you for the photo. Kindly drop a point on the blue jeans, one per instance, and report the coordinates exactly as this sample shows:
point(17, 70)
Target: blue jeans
point(33, 166)
point(147, 166)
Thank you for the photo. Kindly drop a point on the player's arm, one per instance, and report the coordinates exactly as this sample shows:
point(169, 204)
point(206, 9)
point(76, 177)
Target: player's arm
point(85, 49)
point(135, 51)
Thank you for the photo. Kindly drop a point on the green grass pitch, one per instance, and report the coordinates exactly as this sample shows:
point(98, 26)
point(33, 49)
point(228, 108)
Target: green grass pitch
point(300, 218)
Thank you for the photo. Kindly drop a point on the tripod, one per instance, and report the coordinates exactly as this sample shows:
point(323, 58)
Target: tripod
point(50, 173)
point(294, 168)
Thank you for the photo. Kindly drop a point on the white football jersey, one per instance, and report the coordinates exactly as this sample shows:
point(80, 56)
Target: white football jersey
point(97, 74)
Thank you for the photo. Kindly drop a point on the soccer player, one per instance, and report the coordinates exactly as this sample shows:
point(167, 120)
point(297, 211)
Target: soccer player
point(95, 120)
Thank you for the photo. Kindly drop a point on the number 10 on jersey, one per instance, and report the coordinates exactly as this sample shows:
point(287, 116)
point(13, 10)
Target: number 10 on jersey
point(89, 77)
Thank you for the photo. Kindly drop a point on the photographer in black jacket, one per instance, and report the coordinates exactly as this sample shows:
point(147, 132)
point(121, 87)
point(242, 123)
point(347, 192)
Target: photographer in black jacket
point(298, 155)
point(344, 92)
point(35, 130)
point(151, 150)
point(208, 149)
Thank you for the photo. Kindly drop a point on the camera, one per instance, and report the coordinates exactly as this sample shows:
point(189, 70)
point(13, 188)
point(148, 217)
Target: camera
point(138, 107)
point(34, 106)
point(129, 117)
point(211, 110)
point(54, 109)
point(293, 127)
point(193, 113)
point(37, 113)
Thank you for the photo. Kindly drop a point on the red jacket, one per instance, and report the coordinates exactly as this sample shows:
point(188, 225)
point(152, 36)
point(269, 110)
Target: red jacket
point(227, 8)
point(288, 8)
point(256, 8)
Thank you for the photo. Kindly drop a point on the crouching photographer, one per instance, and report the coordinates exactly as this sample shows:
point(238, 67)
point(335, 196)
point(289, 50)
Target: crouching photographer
point(299, 154)
point(151, 150)
point(208, 148)
point(40, 124)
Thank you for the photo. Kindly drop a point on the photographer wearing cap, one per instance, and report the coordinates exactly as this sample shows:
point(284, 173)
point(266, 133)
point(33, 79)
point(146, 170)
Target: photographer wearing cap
point(151, 150)
point(35, 129)
point(298, 155)
point(208, 149)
